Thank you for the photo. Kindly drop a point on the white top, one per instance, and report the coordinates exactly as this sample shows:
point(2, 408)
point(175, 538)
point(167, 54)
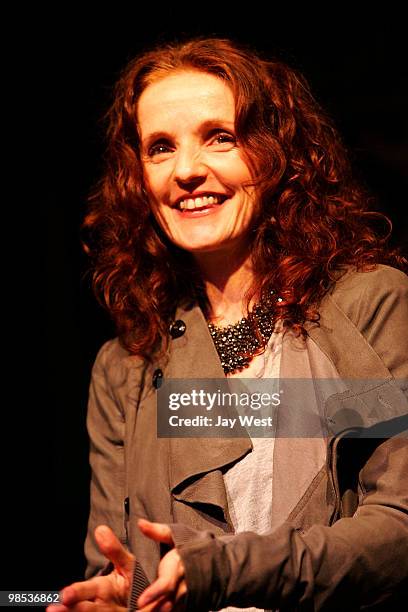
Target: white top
point(249, 481)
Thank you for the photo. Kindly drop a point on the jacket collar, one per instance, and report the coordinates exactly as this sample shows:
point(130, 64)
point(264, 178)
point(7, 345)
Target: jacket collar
point(197, 464)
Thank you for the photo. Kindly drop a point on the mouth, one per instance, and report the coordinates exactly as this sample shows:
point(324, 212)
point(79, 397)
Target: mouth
point(200, 203)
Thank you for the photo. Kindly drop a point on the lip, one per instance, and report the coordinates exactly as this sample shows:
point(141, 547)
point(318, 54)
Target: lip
point(200, 194)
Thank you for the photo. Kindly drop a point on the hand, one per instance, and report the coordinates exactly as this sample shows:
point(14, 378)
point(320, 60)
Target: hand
point(168, 592)
point(102, 593)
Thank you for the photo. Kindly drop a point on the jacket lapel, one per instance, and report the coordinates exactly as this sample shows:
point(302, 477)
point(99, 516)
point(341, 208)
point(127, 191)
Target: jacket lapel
point(197, 464)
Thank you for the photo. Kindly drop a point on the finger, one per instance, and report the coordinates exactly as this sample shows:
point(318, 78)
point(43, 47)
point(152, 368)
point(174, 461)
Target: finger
point(164, 604)
point(78, 591)
point(167, 606)
point(96, 606)
point(159, 588)
point(170, 572)
point(88, 606)
point(99, 586)
point(113, 549)
point(156, 531)
point(181, 597)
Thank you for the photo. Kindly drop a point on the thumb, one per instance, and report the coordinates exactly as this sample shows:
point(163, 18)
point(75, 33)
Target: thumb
point(113, 549)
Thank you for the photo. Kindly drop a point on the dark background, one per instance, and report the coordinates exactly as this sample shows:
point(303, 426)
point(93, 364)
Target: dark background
point(67, 66)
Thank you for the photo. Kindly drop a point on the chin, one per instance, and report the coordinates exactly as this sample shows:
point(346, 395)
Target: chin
point(202, 243)
point(197, 248)
point(205, 246)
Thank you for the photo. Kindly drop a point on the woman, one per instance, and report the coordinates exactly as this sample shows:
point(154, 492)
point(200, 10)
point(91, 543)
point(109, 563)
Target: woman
point(228, 201)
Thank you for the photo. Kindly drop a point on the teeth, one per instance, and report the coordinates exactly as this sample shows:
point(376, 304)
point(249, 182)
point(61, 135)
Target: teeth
point(201, 202)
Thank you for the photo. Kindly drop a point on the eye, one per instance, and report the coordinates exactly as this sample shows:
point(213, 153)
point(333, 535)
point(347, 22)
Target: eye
point(158, 148)
point(224, 138)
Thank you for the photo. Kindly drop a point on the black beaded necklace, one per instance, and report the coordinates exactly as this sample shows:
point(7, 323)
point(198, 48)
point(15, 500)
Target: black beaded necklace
point(238, 344)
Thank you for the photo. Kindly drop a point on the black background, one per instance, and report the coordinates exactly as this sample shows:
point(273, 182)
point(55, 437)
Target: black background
point(66, 65)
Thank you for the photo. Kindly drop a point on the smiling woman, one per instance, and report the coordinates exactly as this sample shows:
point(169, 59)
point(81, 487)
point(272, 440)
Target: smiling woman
point(229, 239)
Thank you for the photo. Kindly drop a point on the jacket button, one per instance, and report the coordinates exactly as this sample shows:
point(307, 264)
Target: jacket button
point(157, 378)
point(177, 328)
point(127, 505)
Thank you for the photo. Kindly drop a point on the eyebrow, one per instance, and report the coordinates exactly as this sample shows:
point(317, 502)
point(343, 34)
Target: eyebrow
point(210, 123)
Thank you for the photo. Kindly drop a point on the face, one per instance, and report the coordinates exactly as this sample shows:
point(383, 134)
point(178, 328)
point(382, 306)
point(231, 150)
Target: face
point(194, 170)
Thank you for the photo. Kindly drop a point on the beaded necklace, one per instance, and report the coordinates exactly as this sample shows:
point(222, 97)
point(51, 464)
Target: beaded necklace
point(238, 344)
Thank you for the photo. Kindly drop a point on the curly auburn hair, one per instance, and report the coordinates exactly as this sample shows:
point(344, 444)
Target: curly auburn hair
point(313, 224)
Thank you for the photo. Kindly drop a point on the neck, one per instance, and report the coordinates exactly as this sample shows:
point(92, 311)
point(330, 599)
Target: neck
point(227, 277)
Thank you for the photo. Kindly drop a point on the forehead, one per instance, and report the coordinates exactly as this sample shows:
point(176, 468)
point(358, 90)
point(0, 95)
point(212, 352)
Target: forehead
point(184, 97)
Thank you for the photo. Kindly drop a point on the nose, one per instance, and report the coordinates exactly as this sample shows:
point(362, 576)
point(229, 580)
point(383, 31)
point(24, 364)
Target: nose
point(189, 167)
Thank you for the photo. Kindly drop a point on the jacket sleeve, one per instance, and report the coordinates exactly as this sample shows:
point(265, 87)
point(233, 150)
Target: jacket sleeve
point(106, 428)
point(359, 561)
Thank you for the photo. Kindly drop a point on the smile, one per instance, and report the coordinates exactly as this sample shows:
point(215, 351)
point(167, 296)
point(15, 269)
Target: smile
point(201, 202)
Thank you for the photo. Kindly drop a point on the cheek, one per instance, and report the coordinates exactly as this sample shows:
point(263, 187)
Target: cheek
point(160, 212)
point(162, 219)
point(154, 188)
point(236, 176)
point(155, 182)
point(234, 167)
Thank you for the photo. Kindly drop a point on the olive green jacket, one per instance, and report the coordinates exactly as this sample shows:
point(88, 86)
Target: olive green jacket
point(347, 534)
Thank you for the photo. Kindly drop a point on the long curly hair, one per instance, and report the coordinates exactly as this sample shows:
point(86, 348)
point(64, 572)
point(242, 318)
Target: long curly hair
point(314, 220)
